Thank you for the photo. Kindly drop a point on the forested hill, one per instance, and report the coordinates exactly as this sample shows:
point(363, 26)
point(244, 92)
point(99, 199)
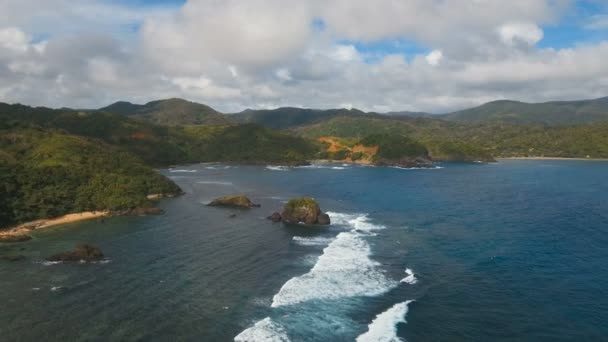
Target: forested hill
point(287, 117)
point(171, 112)
point(549, 113)
point(54, 162)
point(558, 113)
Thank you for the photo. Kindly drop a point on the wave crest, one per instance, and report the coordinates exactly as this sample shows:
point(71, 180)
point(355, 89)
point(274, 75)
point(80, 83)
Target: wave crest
point(384, 327)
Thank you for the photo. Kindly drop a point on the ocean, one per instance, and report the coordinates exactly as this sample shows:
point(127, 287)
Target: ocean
point(509, 251)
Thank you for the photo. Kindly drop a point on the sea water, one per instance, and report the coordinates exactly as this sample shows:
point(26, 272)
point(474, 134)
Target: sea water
point(514, 250)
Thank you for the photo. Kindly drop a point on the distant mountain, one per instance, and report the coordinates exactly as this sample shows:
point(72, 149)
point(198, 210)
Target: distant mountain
point(410, 114)
point(171, 112)
point(288, 117)
point(549, 113)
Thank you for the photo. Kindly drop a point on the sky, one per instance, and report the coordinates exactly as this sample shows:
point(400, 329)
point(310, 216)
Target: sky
point(374, 55)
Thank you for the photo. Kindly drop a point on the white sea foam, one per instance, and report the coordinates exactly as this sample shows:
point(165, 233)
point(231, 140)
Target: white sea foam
point(384, 327)
point(418, 168)
point(277, 168)
point(218, 167)
point(312, 241)
point(323, 166)
point(183, 171)
point(265, 330)
point(215, 182)
point(50, 263)
point(56, 288)
point(410, 278)
point(343, 270)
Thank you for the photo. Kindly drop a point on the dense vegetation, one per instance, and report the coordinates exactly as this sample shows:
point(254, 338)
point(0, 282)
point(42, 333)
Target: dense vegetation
point(458, 141)
point(54, 162)
point(395, 147)
point(170, 112)
point(549, 113)
point(288, 117)
point(47, 174)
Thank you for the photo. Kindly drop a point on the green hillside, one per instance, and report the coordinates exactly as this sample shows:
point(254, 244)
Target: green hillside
point(549, 113)
point(171, 112)
point(288, 117)
point(46, 173)
point(476, 141)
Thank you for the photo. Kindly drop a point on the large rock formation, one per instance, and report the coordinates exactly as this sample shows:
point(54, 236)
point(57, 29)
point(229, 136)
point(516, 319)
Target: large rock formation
point(303, 210)
point(81, 252)
point(234, 201)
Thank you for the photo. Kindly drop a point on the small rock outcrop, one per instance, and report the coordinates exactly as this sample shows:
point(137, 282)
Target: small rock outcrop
point(14, 238)
point(323, 219)
point(233, 201)
point(304, 210)
point(275, 217)
point(81, 252)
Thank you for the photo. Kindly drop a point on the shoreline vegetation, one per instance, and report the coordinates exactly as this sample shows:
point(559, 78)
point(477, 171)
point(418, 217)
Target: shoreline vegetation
point(55, 162)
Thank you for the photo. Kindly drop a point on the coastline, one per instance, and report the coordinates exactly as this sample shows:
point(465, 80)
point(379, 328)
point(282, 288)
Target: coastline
point(25, 228)
point(550, 158)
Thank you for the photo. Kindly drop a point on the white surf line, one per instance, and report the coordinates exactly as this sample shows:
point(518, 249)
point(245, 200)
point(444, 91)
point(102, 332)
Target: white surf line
point(410, 278)
point(345, 268)
point(265, 330)
point(384, 327)
point(277, 168)
point(312, 241)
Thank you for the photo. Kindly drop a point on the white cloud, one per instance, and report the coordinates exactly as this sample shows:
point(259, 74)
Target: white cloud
point(434, 58)
point(515, 33)
point(14, 39)
point(266, 53)
point(233, 71)
point(598, 22)
point(283, 74)
point(344, 53)
point(204, 87)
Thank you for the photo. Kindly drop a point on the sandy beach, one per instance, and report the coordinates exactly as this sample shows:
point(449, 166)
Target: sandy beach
point(25, 228)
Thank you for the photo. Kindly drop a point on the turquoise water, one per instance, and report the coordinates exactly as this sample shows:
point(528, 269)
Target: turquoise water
point(516, 250)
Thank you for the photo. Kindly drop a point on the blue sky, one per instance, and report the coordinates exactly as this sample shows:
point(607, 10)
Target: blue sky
point(380, 55)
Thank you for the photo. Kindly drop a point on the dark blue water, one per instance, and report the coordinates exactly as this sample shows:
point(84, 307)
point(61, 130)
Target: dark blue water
point(516, 250)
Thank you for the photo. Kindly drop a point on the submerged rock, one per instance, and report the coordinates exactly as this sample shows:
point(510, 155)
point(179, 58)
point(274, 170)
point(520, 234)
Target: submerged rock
point(81, 252)
point(142, 211)
point(13, 258)
point(304, 210)
point(15, 238)
point(275, 217)
point(234, 201)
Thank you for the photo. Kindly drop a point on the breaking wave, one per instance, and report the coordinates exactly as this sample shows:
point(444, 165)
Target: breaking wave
point(384, 327)
point(264, 330)
point(343, 270)
point(410, 278)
